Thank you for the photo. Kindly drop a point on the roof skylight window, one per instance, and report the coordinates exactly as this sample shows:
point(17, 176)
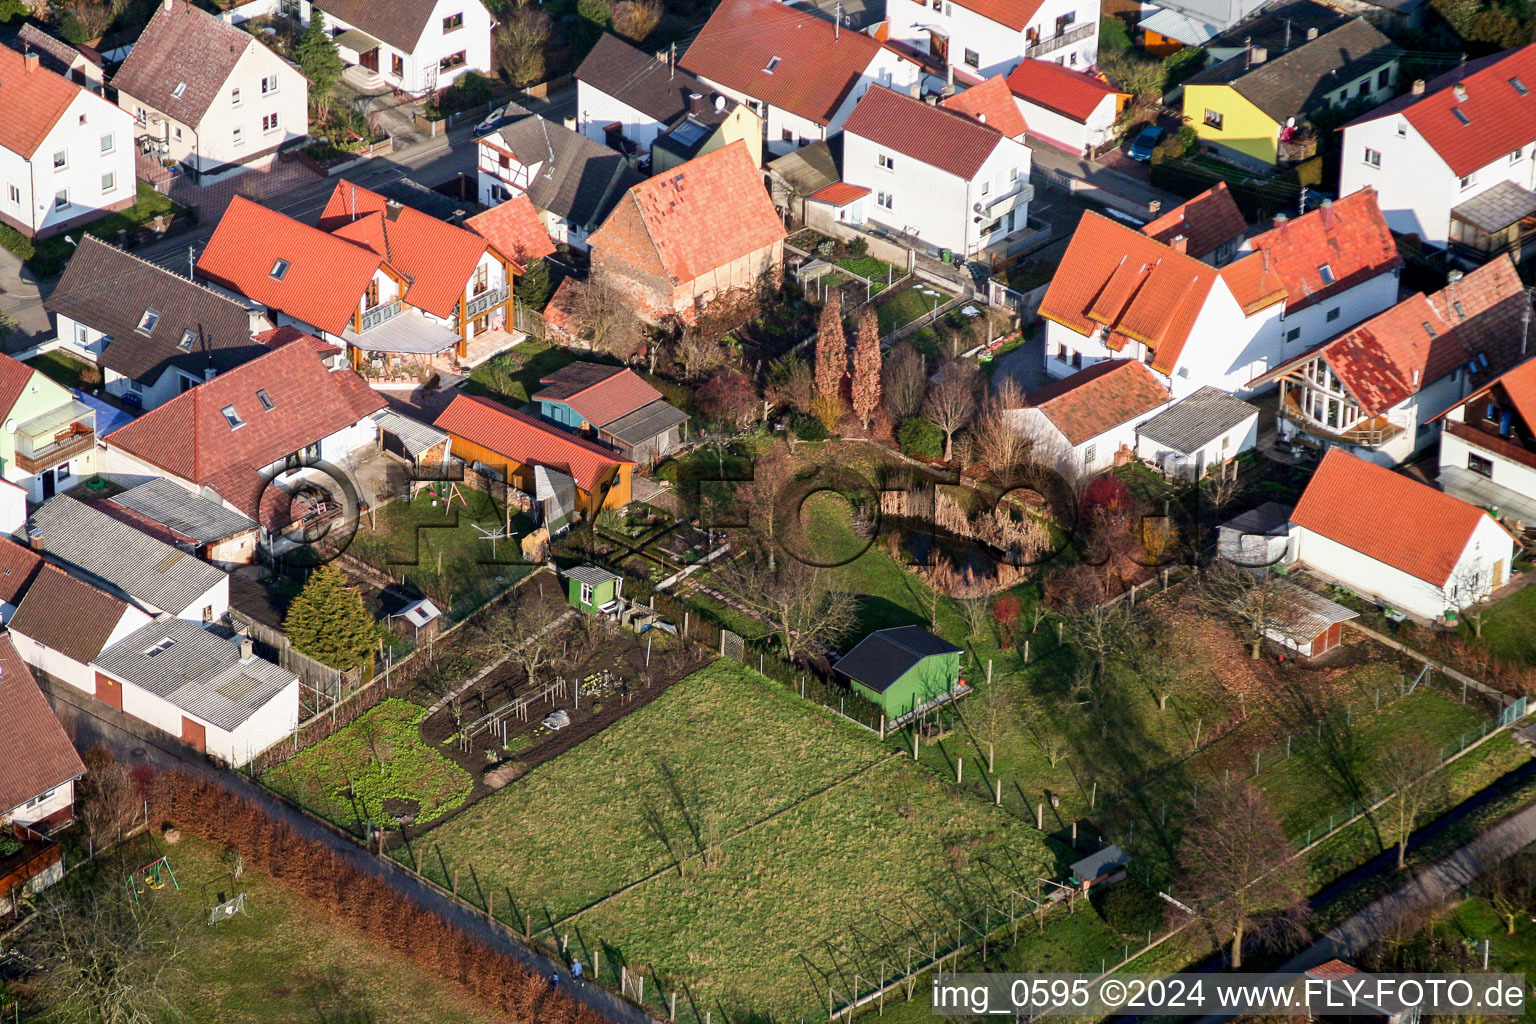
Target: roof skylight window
point(235, 422)
point(1326, 273)
point(188, 336)
point(147, 321)
point(279, 269)
point(773, 63)
point(181, 87)
point(266, 400)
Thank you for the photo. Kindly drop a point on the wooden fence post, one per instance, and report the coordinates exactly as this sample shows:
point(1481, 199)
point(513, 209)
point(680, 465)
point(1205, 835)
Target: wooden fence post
point(997, 797)
point(959, 771)
point(1040, 816)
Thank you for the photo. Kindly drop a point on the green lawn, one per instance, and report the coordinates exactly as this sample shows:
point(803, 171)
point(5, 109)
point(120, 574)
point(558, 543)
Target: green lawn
point(907, 305)
point(513, 376)
point(438, 547)
point(1508, 627)
point(50, 254)
point(381, 756)
point(880, 273)
point(65, 369)
point(720, 752)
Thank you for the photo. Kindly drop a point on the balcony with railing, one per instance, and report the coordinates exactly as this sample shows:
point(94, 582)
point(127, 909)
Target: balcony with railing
point(57, 435)
point(380, 314)
point(1059, 40)
point(486, 300)
point(1372, 432)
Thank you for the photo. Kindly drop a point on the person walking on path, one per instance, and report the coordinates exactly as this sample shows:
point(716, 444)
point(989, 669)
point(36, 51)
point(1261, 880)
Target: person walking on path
point(576, 970)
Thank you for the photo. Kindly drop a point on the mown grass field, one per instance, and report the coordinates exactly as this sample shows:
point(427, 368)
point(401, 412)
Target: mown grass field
point(790, 828)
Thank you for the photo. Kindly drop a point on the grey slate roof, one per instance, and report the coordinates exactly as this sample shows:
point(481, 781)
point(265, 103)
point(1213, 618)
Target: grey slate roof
point(591, 574)
point(1279, 27)
point(198, 671)
point(188, 514)
point(811, 168)
point(109, 290)
point(1096, 864)
point(639, 80)
point(415, 435)
point(1197, 420)
point(646, 422)
point(580, 180)
point(1496, 209)
point(52, 53)
point(182, 46)
point(1270, 518)
point(1298, 81)
point(885, 655)
point(96, 545)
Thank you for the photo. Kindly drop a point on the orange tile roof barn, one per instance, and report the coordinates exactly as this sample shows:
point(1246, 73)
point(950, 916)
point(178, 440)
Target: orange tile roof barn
point(1387, 516)
point(814, 64)
point(1207, 221)
point(514, 228)
point(937, 136)
point(323, 281)
point(36, 755)
point(992, 104)
point(1099, 398)
point(1052, 86)
point(693, 219)
point(31, 102)
point(528, 441)
point(1329, 250)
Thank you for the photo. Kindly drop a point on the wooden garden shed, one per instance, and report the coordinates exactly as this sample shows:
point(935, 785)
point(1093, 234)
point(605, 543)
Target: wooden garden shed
point(903, 669)
point(592, 589)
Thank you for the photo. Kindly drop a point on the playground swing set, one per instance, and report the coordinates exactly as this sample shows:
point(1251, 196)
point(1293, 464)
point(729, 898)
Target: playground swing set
point(152, 877)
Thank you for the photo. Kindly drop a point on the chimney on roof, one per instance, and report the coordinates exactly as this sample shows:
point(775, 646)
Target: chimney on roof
point(1415, 378)
point(695, 102)
point(1280, 218)
point(949, 79)
point(168, 4)
point(247, 648)
point(1179, 243)
point(1260, 54)
point(31, 61)
point(915, 90)
point(569, 122)
point(1418, 87)
point(209, 373)
point(258, 321)
point(1311, 33)
point(1154, 206)
point(1460, 91)
point(35, 538)
point(981, 118)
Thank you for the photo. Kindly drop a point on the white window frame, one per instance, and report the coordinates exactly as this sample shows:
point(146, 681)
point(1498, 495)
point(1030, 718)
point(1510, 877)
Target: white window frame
point(272, 79)
point(238, 137)
point(109, 143)
point(61, 160)
point(276, 123)
point(61, 199)
point(1373, 158)
point(108, 183)
point(235, 99)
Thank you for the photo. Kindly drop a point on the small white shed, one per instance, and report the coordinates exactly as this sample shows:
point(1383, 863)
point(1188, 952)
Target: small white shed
point(1209, 428)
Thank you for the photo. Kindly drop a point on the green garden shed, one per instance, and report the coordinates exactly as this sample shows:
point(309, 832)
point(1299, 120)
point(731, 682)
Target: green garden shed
point(902, 669)
point(591, 589)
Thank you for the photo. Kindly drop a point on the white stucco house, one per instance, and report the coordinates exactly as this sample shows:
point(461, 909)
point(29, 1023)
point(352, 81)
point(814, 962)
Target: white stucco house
point(1376, 389)
point(208, 95)
point(63, 622)
point(1087, 422)
point(798, 71)
point(988, 37)
point(211, 692)
point(1396, 541)
point(1454, 160)
point(936, 175)
point(416, 46)
point(1197, 434)
point(1488, 445)
point(1119, 294)
point(38, 764)
point(66, 154)
point(1071, 110)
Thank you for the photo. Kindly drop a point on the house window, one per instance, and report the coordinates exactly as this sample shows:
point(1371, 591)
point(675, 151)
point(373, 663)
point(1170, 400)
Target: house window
point(1480, 465)
point(82, 336)
point(109, 182)
point(238, 137)
point(268, 123)
point(147, 321)
point(887, 163)
point(234, 97)
point(1364, 89)
point(15, 195)
point(235, 422)
point(885, 200)
point(181, 88)
point(108, 143)
point(482, 279)
point(453, 60)
point(972, 58)
point(1469, 181)
point(1517, 155)
point(1293, 334)
point(586, 593)
point(268, 85)
point(279, 269)
point(453, 23)
point(1088, 454)
point(61, 199)
point(178, 134)
point(1212, 119)
point(1333, 314)
point(265, 399)
point(129, 384)
point(188, 336)
point(787, 135)
point(1383, 77)
point(61, 160)
point(397, 65)
point(1325, 272)
point(1372, 157)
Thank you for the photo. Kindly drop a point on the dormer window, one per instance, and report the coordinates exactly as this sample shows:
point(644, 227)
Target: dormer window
point(1461, 115)
point(279, 269)
point(187, 337)
point(1456, 305)
point(181, 87)
point(1428, 329)
point(147, 321)
point(265, 400)
point(1518, 86)
point(235, 422)
point(773, 63)
point(1326, 273)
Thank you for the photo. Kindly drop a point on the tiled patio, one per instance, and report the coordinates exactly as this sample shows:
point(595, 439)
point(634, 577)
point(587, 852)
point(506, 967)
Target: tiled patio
point(483, 346)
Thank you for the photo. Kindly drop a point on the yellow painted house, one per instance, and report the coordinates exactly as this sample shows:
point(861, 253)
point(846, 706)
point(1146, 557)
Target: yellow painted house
point(1240, 106)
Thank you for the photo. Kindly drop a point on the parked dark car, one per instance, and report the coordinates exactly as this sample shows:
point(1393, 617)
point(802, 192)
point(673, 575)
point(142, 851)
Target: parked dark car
point(1146, 141)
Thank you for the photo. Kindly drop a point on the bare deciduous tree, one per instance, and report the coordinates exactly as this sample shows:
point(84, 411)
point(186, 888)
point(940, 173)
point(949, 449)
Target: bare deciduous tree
point(1101, 633)
point(952, 401)
point(636, 19)
point(696, 354)
point(1509, 886)
point(1468, 590)
point(1254, 603)
point(106, 799)
point(1408, 772)
point(604, 318)
point(1000, 445)
point(904, 382)
point(799, 603)
point(521, 40)
point(791, 384)
point(1235, 864)
point(522, 633)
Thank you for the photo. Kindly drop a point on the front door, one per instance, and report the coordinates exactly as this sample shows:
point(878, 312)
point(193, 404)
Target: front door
point(1497, 580)
point(194, 734)
point(109, 691)
point(369, 59)
point(49, 484)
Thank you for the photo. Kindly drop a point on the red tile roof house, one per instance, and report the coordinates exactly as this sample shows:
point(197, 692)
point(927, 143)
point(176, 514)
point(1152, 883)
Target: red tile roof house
point(1453, 160)
point(988, 37)
point(1119, 294)
point(682, 239)
point(404, 293)
point(1488, 445)
point(796, 69)
point(1087, 422)
point(38, 772)
point(261, 422)
point(66, 153)
point(937, 174)
point(1209, 227)
point(1375, 389)
point(1396, 541)
point(615, 404)
point(1068, 109)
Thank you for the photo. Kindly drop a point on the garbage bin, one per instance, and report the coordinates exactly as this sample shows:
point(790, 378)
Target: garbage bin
point(945, 255)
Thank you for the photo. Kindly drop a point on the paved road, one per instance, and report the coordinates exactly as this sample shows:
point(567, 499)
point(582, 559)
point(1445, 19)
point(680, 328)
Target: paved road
point(94, 724)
